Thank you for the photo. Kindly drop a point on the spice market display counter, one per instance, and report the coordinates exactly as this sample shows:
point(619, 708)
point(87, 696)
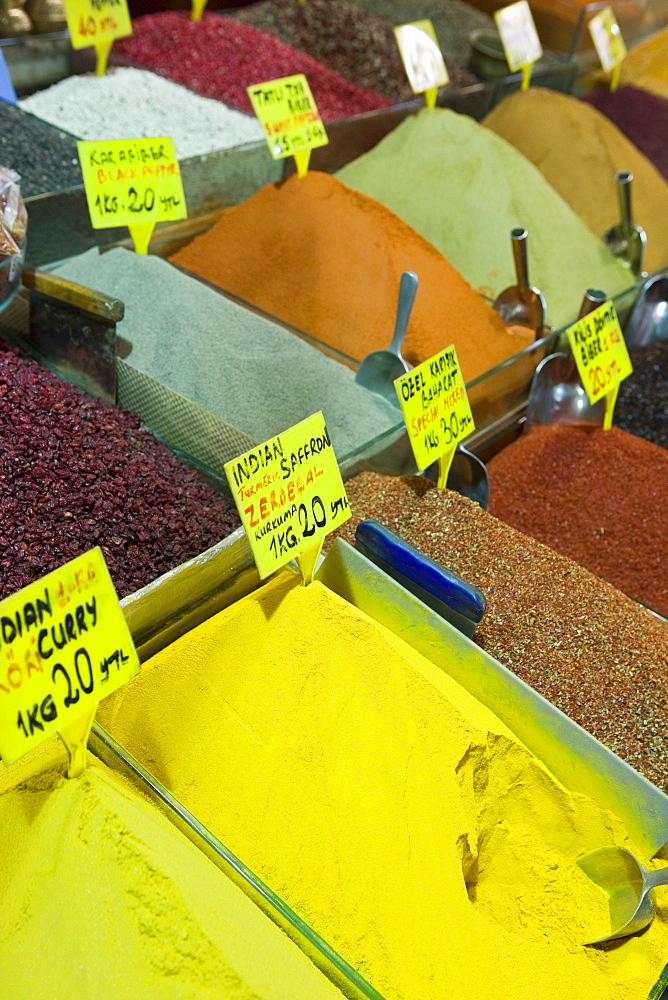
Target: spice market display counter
point(405, 802)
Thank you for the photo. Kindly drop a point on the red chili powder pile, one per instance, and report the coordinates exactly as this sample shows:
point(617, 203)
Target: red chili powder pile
point(328, 260)
point(218, 58)
point(599, 497)
point(595, 654)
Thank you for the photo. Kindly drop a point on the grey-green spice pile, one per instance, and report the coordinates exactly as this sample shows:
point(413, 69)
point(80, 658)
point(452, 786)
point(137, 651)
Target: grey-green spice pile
point(250, 372)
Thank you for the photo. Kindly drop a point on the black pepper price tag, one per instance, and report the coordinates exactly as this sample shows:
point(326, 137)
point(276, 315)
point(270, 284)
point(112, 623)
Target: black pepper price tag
point(64, 645)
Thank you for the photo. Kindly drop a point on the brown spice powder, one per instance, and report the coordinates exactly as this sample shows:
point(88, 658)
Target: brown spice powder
point(590, 650)
point(598, 497)
point(328, 260)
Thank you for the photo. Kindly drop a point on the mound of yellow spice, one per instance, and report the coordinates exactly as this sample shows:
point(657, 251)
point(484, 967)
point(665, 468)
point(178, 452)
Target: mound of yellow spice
point(579, 151)
point(392, 810)
point(101, 898)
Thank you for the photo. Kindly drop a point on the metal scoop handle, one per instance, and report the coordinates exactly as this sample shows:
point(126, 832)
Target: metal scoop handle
point(624, 179)
point(655, 878)
point(407, 291)
point(518, 238)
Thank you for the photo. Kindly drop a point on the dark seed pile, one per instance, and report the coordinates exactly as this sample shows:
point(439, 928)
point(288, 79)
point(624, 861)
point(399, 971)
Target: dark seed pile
point(219, 58)
point(453, 21)
point(642, 402)
point(592, 652)
point(44, 157)
point(641, 116)
point(598, 497)
point(75, 473)
point(339, 34)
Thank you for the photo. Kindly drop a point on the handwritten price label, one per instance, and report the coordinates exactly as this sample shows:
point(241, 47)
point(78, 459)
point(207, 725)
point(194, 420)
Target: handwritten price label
point(607, 37)
point(518, 35)
point(129, 181)
point(600, 351)
point(435, 406)
point(64, 645)
point(93, 21)
point(289, 115)
point(421, 56)
point(289, 493)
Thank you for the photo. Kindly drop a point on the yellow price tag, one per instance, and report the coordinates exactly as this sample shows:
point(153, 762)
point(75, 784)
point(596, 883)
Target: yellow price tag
point(97, 23)
point(422, 58)
point(134, 183)
point(290, 118)
point(601, 355)
point(289, 494)
point(436, 409)
point(519, 38)
point(64, 645)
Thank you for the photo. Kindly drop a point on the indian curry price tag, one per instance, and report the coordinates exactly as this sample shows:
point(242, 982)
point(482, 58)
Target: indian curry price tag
point(289, 116)
point(132, 182)
point(64, 646)
point(435, 407)
point(289, 493)
point(518, 35)
point(600, 352)
point(422, 57)
point(97, 23)
point(607, 38)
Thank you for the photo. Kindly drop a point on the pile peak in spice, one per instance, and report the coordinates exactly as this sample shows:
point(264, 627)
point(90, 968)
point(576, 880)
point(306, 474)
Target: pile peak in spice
point(598, 497)
point(75, 473)
point(586, 647)
point(646, 64)
point(101, 896)
point(641, 116)
point(464, 188)
point(220, 58)
point(133, 102)
point(328, 260)
point(579, 151)
point(446, 868)
point(339, 34)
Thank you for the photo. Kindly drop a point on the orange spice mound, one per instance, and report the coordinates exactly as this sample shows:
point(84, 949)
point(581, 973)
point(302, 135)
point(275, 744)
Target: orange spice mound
point(328, 260)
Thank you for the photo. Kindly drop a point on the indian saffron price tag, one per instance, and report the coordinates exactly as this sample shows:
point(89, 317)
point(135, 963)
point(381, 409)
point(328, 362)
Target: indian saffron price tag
point(601, 355)
point(519, 38)
point(134, 183)
point(289, 494)
point(609, 43)
point(64, 645)
point(422, 58)
point(97, 23)
point(436, 410)
point(290, 118)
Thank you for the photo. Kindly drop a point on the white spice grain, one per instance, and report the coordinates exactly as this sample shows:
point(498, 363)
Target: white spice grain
point(133, 103)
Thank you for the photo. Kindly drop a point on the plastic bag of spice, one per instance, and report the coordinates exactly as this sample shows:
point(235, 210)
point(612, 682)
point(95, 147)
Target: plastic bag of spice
point(13, 227)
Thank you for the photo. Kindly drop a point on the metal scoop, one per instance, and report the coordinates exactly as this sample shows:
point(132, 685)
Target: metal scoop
point(379, 369)
point(557, 395)
point(628, 885)
point(626, 241)
point(649, 318)
point(521, 305)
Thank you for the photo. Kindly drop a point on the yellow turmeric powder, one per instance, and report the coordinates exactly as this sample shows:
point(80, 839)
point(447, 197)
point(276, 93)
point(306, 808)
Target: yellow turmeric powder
point(101, 898)
point(385, 804)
